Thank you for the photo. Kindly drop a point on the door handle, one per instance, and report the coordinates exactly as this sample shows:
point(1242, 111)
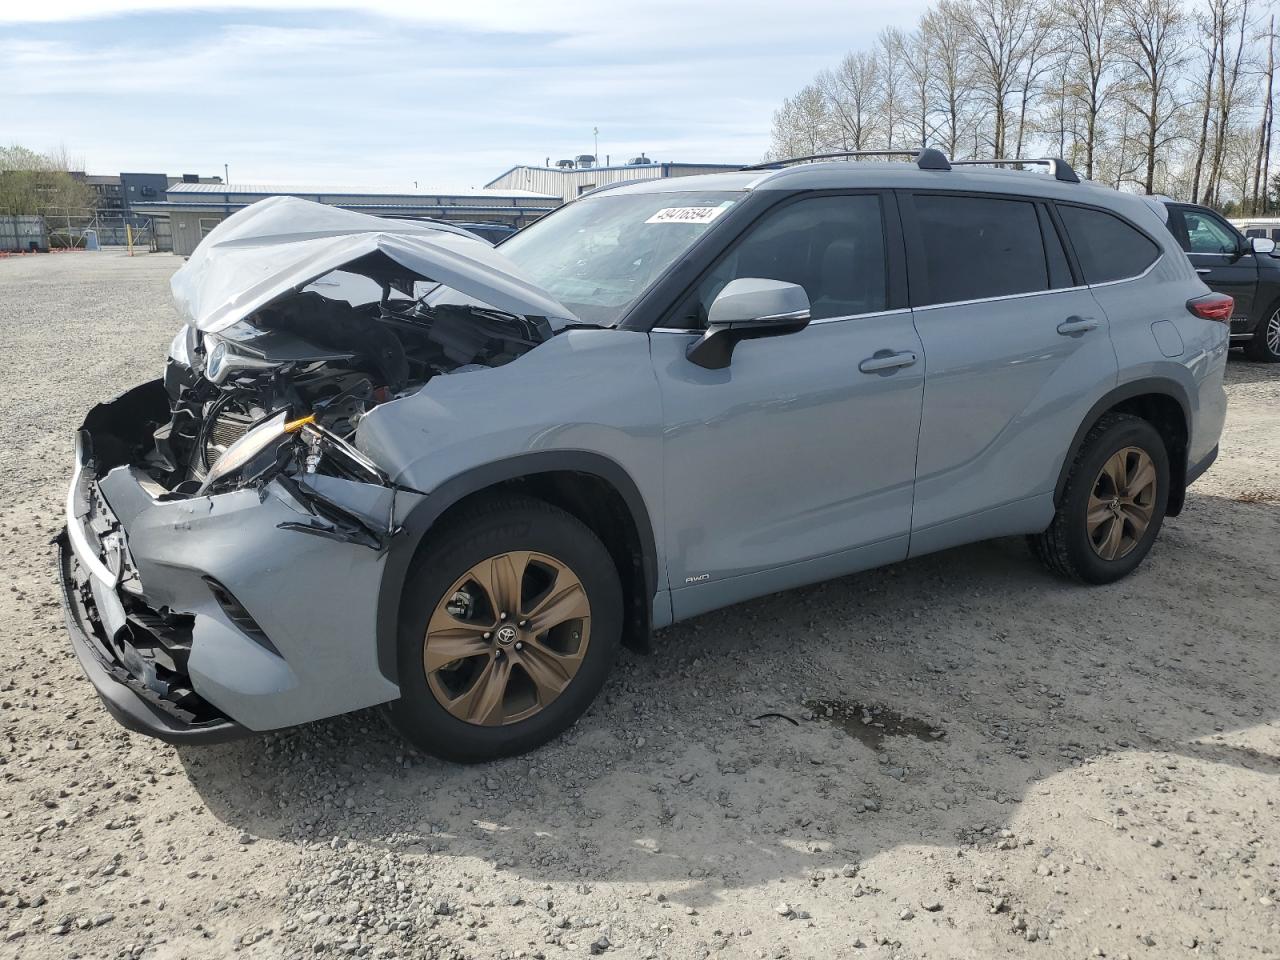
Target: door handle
point(884, 360)
point(1203, 270)
point(1073, 325)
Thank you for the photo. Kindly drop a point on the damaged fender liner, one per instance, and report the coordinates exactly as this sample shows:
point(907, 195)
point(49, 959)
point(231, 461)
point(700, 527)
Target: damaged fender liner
point(127, 700)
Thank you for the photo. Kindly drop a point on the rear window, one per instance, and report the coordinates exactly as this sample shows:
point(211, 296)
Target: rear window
point(980, 247)
point(1106, 246)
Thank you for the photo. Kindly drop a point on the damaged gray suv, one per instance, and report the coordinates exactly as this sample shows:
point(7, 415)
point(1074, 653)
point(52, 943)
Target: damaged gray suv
point(389, 464)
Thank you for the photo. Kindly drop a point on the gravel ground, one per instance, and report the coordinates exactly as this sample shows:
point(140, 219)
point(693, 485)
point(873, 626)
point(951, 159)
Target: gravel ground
point(1047, 771)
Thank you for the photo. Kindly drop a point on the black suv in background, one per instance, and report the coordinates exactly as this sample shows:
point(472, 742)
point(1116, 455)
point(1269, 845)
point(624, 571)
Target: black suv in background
point(1245, 268)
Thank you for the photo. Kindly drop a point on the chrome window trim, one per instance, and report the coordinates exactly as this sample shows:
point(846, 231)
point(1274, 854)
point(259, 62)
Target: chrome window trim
point(851, 316)
point(964, 303)
point(1006, 296)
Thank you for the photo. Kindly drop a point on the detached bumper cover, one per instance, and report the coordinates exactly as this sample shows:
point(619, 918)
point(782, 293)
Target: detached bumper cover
point(126, 698)
point(201, 618)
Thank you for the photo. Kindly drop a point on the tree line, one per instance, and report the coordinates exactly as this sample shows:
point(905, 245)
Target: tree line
point(33, 183)
point(1161, 96)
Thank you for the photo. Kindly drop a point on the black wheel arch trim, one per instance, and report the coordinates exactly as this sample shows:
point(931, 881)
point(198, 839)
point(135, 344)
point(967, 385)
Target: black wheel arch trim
point(416, 525)
point(1127, 391)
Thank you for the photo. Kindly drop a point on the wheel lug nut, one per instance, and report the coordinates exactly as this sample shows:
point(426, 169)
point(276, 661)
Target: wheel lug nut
point(519, 645)
point(502, 616)
point(488, 635)
point(524, 623)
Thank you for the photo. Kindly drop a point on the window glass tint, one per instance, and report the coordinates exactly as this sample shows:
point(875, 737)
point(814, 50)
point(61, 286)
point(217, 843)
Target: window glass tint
point(978, 247)
point(1208, 234)
point(1107, 247)
point(831, 246)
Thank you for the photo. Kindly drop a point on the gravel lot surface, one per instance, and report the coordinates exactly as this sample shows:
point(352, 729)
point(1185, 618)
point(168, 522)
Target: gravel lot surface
point(1061, 771)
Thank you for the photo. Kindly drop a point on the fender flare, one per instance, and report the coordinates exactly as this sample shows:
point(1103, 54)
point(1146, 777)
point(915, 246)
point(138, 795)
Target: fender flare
point(1163, 386)
point(417, 523)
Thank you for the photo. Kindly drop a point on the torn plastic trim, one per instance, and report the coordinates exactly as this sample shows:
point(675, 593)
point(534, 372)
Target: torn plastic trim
point(78, 508)
point(333, 521)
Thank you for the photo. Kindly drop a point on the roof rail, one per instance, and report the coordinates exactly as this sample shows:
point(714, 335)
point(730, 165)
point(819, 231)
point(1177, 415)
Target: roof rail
point(926, 159)
point(1059, 169)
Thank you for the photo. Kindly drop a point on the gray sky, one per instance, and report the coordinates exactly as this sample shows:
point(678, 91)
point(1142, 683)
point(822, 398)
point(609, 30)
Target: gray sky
point(448, 94)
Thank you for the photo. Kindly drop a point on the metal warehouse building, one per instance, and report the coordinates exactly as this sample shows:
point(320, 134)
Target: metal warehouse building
point(571, 180)
point(193, 209)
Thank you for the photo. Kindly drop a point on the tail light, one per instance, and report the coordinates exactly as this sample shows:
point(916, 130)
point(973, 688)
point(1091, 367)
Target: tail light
point(1212, 306)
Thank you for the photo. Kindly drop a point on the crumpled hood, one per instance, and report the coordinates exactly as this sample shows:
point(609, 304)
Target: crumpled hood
point(283, 243)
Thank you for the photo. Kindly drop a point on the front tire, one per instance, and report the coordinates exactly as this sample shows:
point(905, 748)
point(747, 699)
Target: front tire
point(511, 620)
point(1264, 346)
point(1113, 505)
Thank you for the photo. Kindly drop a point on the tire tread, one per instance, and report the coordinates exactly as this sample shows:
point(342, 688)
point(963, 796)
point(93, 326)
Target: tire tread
point(1050, 547)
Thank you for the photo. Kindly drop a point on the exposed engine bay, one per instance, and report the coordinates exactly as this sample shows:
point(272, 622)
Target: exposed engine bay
point(318, 364)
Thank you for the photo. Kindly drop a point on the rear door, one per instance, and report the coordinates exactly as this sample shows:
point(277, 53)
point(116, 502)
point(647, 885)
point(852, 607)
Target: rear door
point(1221, 256)
point(1015, 349)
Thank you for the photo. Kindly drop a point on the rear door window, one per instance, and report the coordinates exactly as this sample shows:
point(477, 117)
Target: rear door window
point(977, 247)
point(1107, 247)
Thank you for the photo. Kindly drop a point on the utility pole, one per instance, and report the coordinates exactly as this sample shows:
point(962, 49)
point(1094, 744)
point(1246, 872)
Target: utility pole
point(595, 140)
point(226, 176)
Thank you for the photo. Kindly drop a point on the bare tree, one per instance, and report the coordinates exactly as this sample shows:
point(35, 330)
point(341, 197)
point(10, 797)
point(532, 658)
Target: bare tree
point(802, 125)
point(1207, 30)
point(1115, 85)
point(1000, 34)
point(1233, 21)
point(1089, 32)
point(1262, 160)
point(891, 46)
point(942, 30)
point(1035, 62)
point(918, 67)
point(1153, 47)
point(852, 90)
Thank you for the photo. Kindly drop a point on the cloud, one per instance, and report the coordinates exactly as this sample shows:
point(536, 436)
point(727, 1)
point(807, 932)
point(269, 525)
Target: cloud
point(446, 94)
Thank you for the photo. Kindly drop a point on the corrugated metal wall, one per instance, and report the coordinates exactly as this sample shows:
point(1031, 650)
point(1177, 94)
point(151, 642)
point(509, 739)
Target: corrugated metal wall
point(20, 232)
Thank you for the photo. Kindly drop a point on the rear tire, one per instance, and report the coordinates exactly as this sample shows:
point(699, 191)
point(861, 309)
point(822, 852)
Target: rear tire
point(474, 685)
point(1113, 504)
point(1264, 346)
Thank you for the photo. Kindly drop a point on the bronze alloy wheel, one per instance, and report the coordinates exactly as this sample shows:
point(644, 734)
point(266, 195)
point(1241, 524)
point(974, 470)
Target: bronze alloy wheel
point(1122, 503)
point(507, 638)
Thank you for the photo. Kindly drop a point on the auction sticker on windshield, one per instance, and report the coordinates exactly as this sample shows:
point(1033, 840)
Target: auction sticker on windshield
point(687, 214)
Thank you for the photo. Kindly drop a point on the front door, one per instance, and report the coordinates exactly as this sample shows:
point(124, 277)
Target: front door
point(796, 462)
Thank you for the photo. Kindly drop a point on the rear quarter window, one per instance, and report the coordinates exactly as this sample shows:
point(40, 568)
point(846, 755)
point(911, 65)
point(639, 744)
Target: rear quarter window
point(1107, 247)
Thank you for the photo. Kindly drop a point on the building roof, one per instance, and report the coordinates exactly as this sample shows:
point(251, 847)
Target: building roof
point(617, 166)
point(274, 189)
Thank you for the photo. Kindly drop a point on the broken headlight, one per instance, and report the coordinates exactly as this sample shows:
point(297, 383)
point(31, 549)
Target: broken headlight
point(253, 454)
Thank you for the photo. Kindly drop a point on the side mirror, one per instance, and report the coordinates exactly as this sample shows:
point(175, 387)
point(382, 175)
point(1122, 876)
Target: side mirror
point(1262, 245)
point(746, 309)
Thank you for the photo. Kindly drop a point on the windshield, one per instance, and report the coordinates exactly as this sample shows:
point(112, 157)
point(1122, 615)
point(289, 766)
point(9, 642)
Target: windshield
point(598, 255)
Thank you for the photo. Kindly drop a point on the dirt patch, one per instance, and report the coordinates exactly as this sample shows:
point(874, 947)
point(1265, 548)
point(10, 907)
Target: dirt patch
point(1107, 784)
point(870, 724)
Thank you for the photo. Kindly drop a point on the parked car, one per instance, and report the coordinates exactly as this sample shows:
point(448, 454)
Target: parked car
point(1245, 267)
point(1268, 227)
point(459, 500)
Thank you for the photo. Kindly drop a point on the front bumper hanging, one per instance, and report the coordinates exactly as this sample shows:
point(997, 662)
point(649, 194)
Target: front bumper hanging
point(202, 619)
